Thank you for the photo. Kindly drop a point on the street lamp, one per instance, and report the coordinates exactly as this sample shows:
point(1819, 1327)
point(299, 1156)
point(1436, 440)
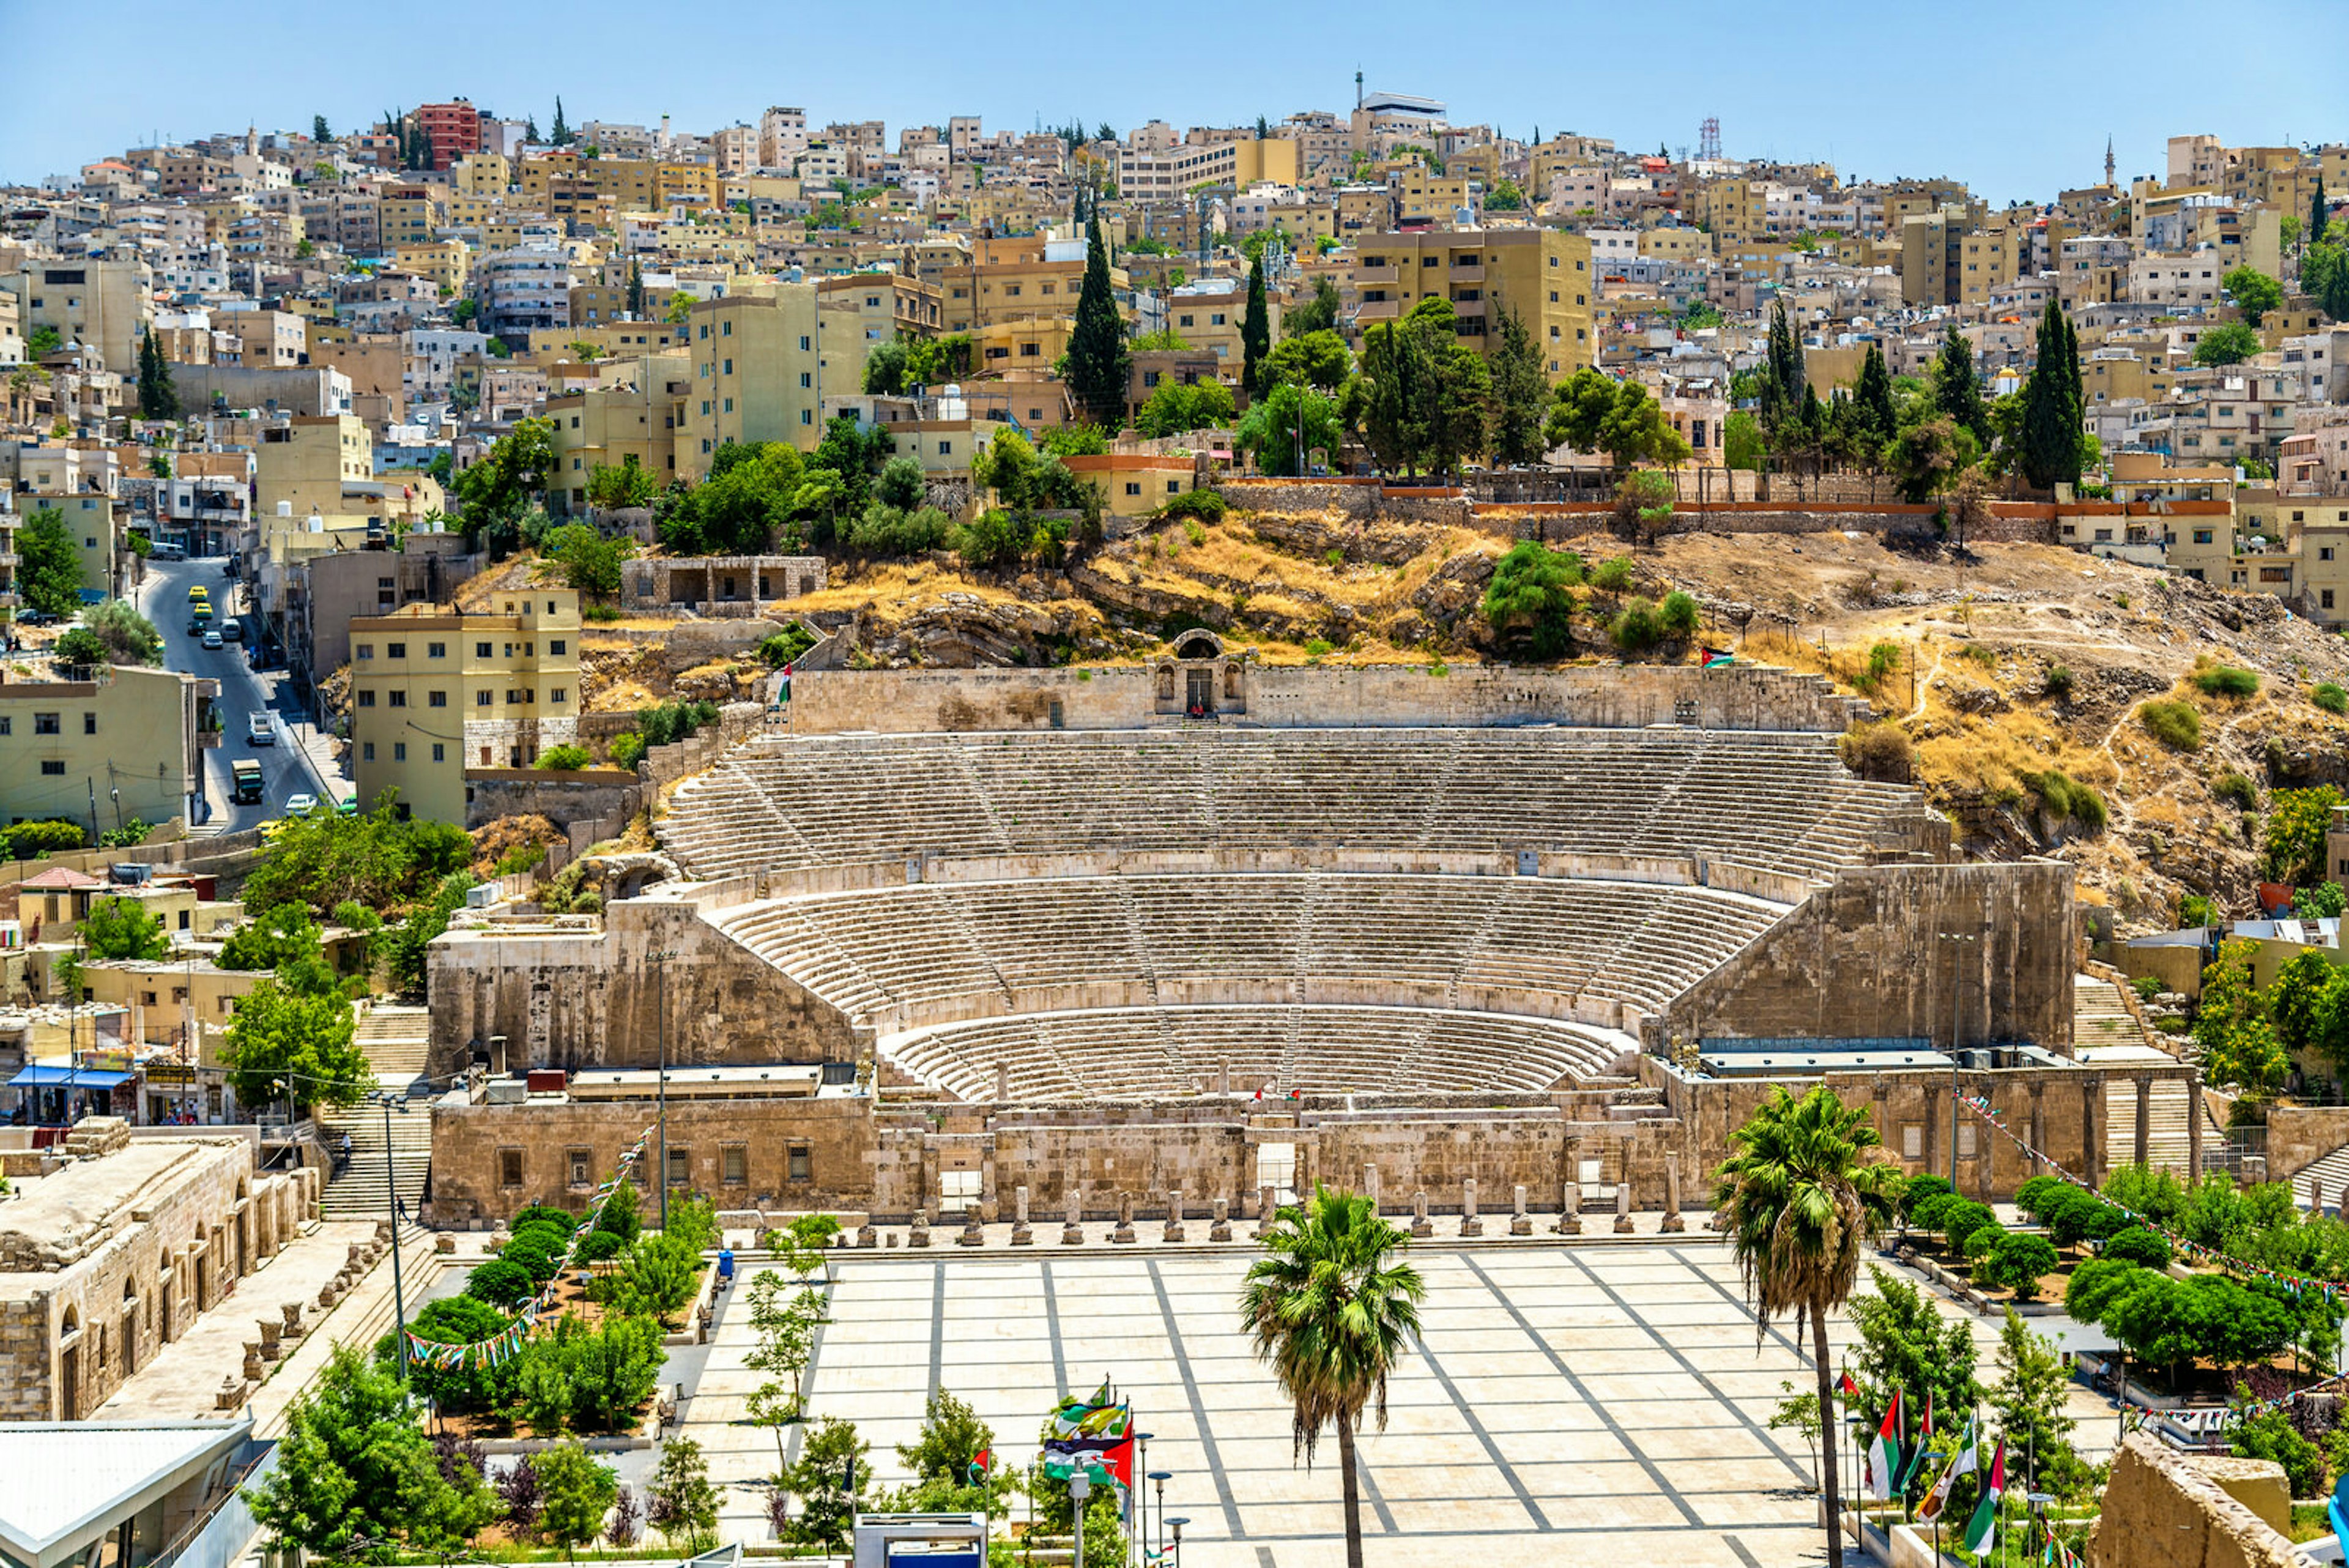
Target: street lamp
point(1081, 1486)
point(1176, 1526)
point(391, 1200)
point(1162, 1478)
point(1137, 1528)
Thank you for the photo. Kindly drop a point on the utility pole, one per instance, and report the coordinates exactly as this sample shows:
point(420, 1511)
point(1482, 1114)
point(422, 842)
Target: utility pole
point(391, 1200)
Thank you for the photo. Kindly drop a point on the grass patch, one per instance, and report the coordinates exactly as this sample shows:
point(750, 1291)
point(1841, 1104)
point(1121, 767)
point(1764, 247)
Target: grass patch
point(2330, 696)
point(2065, 797)
point(2227, 681)
point(2175, 724)
point(2236, 789)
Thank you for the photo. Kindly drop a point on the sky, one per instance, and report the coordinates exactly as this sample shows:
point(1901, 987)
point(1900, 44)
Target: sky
point(2014, 96)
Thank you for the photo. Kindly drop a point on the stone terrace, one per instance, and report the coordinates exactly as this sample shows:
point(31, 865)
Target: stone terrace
point(1777, 803)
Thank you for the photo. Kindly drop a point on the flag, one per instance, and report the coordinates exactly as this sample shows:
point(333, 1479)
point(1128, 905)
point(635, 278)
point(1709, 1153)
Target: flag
point(1884, 1453)
point(1985, 1520)
point(1924, 1442)
point(980, 1462)
point(1962, 1462)
point(1717, 657)
point(1846, 1389)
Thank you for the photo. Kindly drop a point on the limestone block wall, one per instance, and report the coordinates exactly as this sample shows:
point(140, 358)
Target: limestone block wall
point(1864, 957)
point(574, 999)
point(2299, 1136)
point(175, 1254)
point(2169, 1509)
point(904, 701)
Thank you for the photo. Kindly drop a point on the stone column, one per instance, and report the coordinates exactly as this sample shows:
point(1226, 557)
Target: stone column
point(972, 1234)
point(2143, 1148)
point(1569, 1187)
point(1672, 1220)
point(1073, 1230)
point(270, 1330)
point(920, 1234)
point(1174, 1217)
point(1370, 1186)
point(1623, 1198)
point(1124, 1231)
point(1469, 1224)
point(1421, 1226)
point(1220, 1229)
point(2194, 1115)
point(2092, 1166)
point(1520, 1222)
point(1021, 1236)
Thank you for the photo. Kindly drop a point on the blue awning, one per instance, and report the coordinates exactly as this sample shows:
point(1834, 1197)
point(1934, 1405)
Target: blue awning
point(42, 1075)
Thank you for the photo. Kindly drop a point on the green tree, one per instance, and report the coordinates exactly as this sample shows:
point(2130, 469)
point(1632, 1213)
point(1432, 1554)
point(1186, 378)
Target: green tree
point(49, 573)
point(1318, 314)
point(561, 136)
point(125, 636)
point(1520, 395)
point(1330, 1307)
point(635, 302)
point(2237, 1039)
point(1287, 418)
point(1174, 408)
point(1317, 358)
point(1957, 389)
point(1098, 361)
point(784, 1316)
point(2018, 1263)
point(1255, 324)
point(119, 928)
point(1927, 458)
point(655, 1277)
point(1740, 441)
point(2320, 217)
point(630, 483)
point(2254, 294)
point(752, 493)
point(286, 1044)
point(1394, 370)
point(575, 1491)
point(2052, 404)
point(1595, 412)
point(1874, 419)
point(2030, 1398)
point(589, 561)
point(2303, 998)
point(470, 1388)
point(1784, 375)
point(1799, 1198)
point(2227, 343)
point(355, 1465)
point(496, 491)
point(946, 1449)
point(2292, 846)
point(159, 399)
point(679, 1500)
point(403, 946)
point(829, 1480)
point(1531, 596)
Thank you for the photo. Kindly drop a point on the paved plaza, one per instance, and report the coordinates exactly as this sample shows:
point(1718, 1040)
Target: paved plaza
point(1571, 1404)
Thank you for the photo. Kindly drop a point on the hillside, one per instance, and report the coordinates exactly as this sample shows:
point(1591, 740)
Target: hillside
point(2017, 673)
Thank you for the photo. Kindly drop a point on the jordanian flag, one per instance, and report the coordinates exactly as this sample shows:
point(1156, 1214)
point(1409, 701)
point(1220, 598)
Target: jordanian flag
point(1961, 1463)
point(1847, 1390)
point(1108, 1461)
point(1980, 1528)
point(1884, 1454)
point(1924, 1442)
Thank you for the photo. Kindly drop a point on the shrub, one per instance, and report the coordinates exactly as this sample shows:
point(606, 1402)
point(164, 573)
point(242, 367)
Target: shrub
point(2227, 681)
point(2237, 790)
point(2084, 1218)
point(2175, 724)
point(534, 1261)
point(2194, 909)
point(1207, 506)
point(2065, 797)
point(785, 646)
point(2057, 684)
point(1927, 1212)
point(1880, 752)
point(563, 758)
point(1962, 1219)
point(597, 1246)
point(1678, 615)
point(2147, 987)
point(2135, 1244)
point(1883, 658)
point(1318, 648)
point(2018, 1263)
point(619, 1217)
point(885, 531)
point(673, 721)
point(1612, 575)
point(1981, 1240)
point(2330, 696)
point(541, 1214)
point(1919, 1187)
point(542, 1236)
point(31, 840)
point(500, 1281)
point(2034, 1195)
point(1636, 629)
point(627, 748)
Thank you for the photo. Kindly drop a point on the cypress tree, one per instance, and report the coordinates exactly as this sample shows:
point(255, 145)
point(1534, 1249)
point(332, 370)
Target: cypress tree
point(1256, 327)
point(562, 132)
point(1783, 377)
point(1521, 394)
point(1875, 420)
point(1957, 391)
point(637, 290)
point(1098, 360)
point(2052, 405)
point(2318, 219)
point(158, 398)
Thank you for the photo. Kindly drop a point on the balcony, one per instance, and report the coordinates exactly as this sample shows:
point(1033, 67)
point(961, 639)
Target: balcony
point(1467, 309)
point(1374, 275)
point(1468, 273)
point(1377, 310)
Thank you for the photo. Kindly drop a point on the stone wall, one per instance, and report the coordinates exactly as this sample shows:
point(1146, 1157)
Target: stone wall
point(1403, 696)
point(1864, 957)
point(562, 798)
point(89, 1300)
point(2299, 1136)
point(2167, 1510)
point(566, 994)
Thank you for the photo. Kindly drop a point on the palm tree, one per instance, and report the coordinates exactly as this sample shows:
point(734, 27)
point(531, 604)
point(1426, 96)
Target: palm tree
point(1799, 1202)
point(1332, 1308)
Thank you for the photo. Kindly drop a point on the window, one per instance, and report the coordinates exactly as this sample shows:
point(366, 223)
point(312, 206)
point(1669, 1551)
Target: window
point(53, 768)
point(436, 699)
point(509, 1167)
point(1174, 487)
point(680, 1166)
point(399, 751)
point(89, 724)
point(801, 1165)
point(556, 647)
point(559, 694)
point(1133, 487)
point(481, 699)
point(367, 751)
point(582, 1164)
point(957, 1190)
point(734, 1165)
point(435, 651)
point(7, 726)
point(396, 698)
point(395, 650)
point(945, 449)
point(438, 752)
point(364, 650)
point(366, 699)
point(481, 649)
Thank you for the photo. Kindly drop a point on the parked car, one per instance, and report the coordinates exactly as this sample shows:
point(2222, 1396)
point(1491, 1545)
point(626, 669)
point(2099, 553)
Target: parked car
point(233, 629)
point(301, 804)
point(169, 553)
point(260, 730)
point(37, 617)
point(211, 639)
point(198, 625)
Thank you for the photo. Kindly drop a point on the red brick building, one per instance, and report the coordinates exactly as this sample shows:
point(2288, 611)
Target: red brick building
point(454, 130)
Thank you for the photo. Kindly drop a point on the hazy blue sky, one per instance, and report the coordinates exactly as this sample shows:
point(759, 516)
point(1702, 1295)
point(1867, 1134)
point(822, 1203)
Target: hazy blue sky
point(2014, 96)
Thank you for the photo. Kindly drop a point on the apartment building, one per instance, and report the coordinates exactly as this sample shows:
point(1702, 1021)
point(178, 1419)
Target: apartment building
point(1542, 274)
point(524, 290)
point(1147, 171)
point(327, 591)
point(435, 693)
point(126, 740)
point(643, 418)
point(756, 373)
point(102, 304)
point(452, 131)
point(309, 461)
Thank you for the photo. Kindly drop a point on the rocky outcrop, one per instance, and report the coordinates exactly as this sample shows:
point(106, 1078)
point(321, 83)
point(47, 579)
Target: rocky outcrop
point(2167, 1510)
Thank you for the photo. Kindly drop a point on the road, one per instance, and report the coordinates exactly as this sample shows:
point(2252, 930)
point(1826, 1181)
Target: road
point(287, 767)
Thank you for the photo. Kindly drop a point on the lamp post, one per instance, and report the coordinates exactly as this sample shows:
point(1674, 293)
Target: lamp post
point(661, 1012)
point(1137, 1528)
point(1162, 1478)
point(1176, 1526)
point(391, 1200)
point(1957, 1033)
point(1081, 1486)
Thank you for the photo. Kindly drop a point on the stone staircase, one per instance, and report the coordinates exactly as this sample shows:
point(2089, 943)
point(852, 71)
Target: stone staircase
point(2167, 1143)
point(2101, 1015)
point(358, 1192)
point(397, 1041)
point(2106, 1028)
point(2319, 1186)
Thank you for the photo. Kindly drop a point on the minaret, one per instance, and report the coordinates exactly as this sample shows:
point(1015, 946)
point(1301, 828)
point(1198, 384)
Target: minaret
point(2108, 160)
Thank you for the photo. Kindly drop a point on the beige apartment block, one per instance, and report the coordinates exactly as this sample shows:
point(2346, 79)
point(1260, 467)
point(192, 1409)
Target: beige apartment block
point(129, 740)
point(1540, 273)
point(755, 372)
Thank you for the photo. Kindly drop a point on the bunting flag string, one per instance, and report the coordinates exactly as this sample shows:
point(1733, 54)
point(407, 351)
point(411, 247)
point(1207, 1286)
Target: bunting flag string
point(1980, 1106)
point(507, 1342)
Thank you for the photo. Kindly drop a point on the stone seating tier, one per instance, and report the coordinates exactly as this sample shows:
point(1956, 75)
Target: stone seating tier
point(1778, 802)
